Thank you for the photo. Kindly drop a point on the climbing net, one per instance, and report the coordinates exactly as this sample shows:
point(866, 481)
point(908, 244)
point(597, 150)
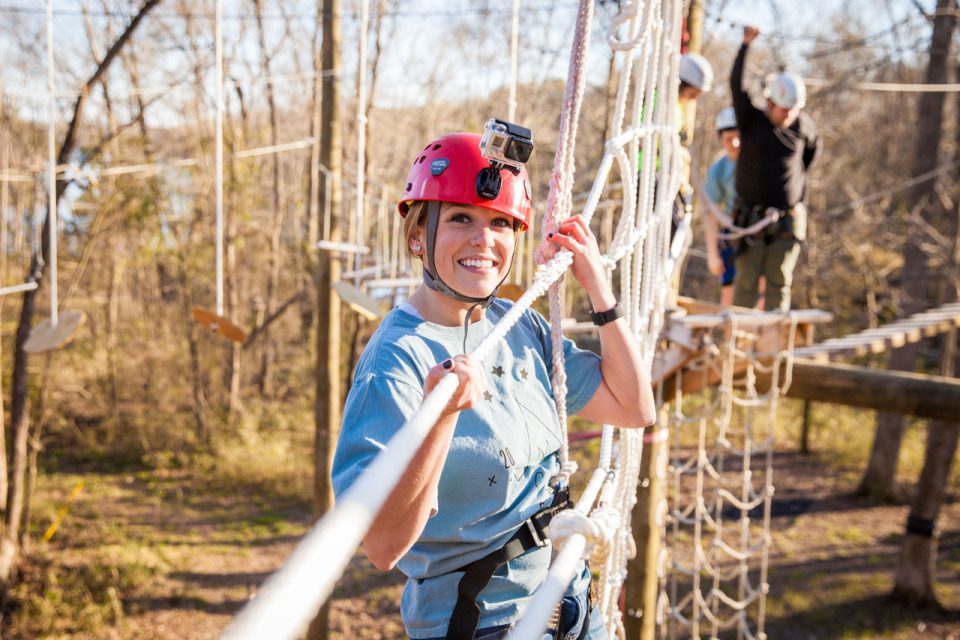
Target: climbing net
point(646, 37)
point(717, 526)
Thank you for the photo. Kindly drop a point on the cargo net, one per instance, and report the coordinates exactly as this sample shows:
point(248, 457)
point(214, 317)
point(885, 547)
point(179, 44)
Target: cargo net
point(713, 571)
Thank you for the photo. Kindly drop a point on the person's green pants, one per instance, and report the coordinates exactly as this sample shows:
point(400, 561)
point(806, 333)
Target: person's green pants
point(774, 261)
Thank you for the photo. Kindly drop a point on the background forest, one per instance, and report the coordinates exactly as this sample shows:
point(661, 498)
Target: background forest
point(147, 435)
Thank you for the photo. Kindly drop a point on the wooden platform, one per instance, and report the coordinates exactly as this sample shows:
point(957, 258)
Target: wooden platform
point(890, 336)
point(687, 332)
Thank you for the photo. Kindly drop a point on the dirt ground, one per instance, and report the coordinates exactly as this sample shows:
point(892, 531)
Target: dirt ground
point(144, 555)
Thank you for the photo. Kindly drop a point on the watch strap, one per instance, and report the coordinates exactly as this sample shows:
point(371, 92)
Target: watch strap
point(601, 318)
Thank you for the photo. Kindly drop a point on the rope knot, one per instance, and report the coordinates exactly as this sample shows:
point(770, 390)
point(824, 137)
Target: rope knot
point(570, 522)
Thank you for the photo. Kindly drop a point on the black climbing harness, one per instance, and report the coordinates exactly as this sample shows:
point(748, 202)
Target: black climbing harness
point(531, 534)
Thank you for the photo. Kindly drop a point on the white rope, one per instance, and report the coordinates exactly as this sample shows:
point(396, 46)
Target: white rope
point(711, 584)
point(361, 130)
point(218, 45)
point(559, 206)
point(52, 213)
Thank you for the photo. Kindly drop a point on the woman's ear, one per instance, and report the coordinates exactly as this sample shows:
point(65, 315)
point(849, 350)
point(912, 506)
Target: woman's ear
point(415, 244)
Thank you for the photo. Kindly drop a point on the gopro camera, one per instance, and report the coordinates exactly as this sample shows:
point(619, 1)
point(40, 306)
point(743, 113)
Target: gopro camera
point(506, 143)
point(507, 146)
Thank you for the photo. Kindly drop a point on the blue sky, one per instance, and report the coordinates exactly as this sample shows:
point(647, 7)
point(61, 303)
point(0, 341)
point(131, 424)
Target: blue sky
point(460, 45)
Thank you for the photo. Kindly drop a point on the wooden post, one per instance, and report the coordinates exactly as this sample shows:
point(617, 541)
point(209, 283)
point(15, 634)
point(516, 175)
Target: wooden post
point(327, 405)
point(643, 571)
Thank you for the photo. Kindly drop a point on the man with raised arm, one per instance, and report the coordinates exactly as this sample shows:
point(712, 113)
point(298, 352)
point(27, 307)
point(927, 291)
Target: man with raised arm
point(778, 145)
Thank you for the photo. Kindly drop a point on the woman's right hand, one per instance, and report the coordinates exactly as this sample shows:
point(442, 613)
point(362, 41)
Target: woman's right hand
point(715, 262)
point(469, 386)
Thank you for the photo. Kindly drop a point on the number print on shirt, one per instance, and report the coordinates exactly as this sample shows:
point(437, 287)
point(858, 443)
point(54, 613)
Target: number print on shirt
point(508, 460)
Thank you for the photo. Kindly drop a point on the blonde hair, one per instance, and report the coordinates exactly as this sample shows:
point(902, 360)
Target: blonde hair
point(416, 217)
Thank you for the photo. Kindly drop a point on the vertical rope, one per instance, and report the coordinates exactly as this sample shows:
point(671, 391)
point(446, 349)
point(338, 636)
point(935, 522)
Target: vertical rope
point(218, 160)
point(361, 135)
point(559, 205)
point(52, 206)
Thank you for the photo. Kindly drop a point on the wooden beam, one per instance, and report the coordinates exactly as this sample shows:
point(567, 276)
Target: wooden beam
point(898, 392)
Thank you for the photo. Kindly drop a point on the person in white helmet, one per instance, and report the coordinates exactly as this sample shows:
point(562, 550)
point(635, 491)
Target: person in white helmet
point(696, 79)
point(721, 189)
point(778, 145)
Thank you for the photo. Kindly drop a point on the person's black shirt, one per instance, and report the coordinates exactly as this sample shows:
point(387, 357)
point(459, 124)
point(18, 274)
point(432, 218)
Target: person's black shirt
point(773, 162)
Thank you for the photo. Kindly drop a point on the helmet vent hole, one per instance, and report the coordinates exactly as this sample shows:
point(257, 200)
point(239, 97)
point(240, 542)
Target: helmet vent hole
point(435, 147)
point(409, 186)
point(421, 159)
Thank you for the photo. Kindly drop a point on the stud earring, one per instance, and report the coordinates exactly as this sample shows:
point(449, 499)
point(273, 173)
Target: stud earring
point(415, 247)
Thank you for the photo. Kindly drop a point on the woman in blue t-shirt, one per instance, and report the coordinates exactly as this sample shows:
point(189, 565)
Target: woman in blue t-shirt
point(466, 521)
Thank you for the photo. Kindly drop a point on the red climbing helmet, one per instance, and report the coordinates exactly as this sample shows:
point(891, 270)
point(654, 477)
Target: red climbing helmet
point(447, 169)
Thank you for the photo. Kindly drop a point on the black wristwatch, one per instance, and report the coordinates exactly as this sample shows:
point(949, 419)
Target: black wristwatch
point(601, 318)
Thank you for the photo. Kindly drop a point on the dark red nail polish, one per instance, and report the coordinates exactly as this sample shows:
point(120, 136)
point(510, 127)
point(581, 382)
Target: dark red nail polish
point(447, 364)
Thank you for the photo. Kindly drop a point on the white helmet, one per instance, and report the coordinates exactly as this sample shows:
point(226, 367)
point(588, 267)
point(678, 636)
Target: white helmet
point(726, 119)
point(696, 71)
point(786, 90)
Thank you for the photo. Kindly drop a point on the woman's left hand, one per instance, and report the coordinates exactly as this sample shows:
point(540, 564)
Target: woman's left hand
point(574, 234)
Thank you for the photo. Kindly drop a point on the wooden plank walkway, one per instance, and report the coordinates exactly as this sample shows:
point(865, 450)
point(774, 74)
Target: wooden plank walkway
point(890, 336)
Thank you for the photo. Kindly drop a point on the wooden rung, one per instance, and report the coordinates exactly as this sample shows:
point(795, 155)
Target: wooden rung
point(46, 337)
point(342, 247)
point(219, 325)
point(755, 318)
point(571, 325)
point(392, 283)
point(358, 301)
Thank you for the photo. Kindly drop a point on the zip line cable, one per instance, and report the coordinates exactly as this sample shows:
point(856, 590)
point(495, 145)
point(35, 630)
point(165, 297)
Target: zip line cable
point(399, 14)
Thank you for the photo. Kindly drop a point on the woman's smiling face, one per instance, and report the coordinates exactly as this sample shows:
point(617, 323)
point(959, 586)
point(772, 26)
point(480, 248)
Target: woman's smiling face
point(474, 248)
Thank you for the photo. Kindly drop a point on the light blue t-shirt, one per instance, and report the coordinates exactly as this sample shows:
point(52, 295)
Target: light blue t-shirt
point(720, 185)
point(501, 459)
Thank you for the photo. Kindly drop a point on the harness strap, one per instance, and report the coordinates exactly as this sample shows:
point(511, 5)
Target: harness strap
point(532, 533)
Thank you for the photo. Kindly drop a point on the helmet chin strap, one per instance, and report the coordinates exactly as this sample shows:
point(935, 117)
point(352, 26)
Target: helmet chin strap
point(431, 277)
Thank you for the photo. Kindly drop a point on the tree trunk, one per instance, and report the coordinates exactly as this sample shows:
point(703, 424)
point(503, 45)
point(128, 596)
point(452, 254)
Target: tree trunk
point(327, 402)
point(235, 365)
point(879, 480)
point(18, 421)
point(4, 210)
point(913, 585)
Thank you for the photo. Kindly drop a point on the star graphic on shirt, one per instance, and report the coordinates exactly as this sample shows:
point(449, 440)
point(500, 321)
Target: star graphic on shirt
point(487, 396)
point(524, 374)
point(497, 371)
